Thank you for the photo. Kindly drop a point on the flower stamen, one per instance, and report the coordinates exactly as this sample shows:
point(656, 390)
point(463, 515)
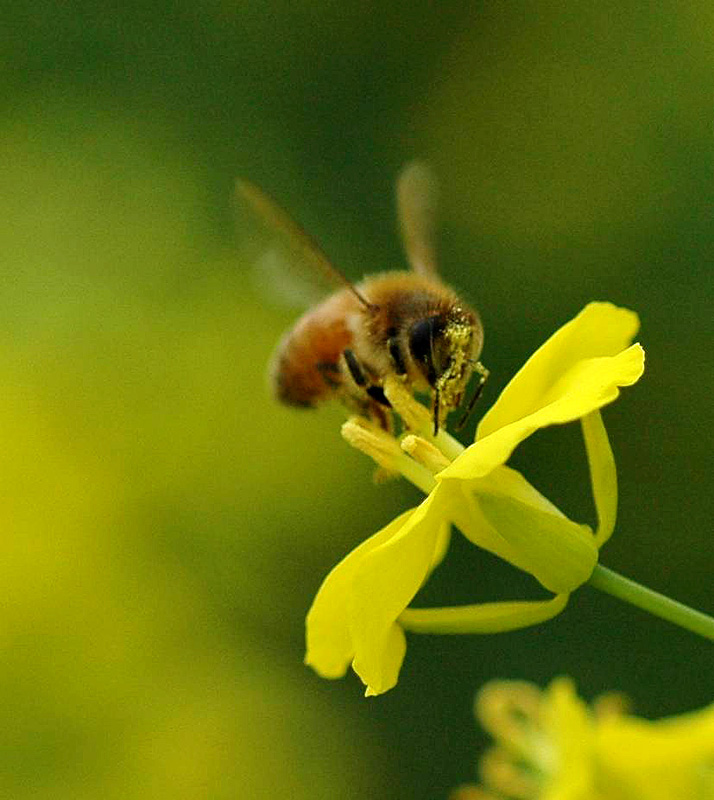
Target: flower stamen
point(415, 416)
point(417, 419)
point(384, 449)
point(425, 453)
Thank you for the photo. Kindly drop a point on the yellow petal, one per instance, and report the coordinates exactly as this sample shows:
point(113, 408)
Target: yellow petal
point(384, 584)
point(482, 618)
point(603, 475)
point(469, 519)
point(567, 719)
point(670, 759)
point(517, 546)
point(600, 329)
point(585, 387)
point(560, 554)
point(506, 480)
point(392, 655)
point(330, 649)
point(442, 544)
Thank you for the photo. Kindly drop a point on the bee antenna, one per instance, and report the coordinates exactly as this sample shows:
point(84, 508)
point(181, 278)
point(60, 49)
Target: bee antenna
point(472, 402)
point(436, 410)
point(371, 307)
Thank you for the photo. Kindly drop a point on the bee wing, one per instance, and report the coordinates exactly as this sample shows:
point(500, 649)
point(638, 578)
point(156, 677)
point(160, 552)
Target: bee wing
point(277, 276)
point(417, 199)
point(301, 245)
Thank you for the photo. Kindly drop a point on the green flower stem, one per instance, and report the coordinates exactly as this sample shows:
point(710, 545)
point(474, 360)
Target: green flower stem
point(608, 581)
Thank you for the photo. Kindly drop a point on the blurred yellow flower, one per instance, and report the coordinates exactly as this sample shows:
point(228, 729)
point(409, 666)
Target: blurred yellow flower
point(549, 745)
point(360, 613)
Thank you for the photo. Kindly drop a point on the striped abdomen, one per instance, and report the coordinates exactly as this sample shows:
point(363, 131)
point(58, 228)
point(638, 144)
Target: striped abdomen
point(305, 368)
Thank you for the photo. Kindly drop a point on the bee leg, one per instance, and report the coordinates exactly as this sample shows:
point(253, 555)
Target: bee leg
point(483, 374)
point(330, 373)
point(377, 402)
point(354, 367)
point(395, 352)
point(374, 390)
point(377, 393)
point(381, 416)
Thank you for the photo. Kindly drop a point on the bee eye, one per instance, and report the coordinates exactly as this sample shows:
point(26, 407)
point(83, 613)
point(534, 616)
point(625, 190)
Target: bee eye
point(421, 342)
point(420, 339)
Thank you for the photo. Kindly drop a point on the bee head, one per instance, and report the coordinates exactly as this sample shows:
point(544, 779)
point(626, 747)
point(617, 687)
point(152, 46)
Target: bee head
point(424, 338)
point(444, 348)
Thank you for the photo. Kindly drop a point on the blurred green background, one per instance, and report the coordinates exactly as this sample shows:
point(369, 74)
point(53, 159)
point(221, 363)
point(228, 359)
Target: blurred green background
point(167, 525)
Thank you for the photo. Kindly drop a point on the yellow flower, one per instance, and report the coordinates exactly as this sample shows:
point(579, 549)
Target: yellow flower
point(551, 746)
point(360, 613)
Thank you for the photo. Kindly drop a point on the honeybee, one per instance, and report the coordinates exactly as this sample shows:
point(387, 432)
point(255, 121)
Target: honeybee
point(404, 323)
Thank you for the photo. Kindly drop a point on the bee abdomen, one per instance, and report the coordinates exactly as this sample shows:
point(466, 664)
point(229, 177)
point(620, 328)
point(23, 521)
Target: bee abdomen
point(306, 365)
